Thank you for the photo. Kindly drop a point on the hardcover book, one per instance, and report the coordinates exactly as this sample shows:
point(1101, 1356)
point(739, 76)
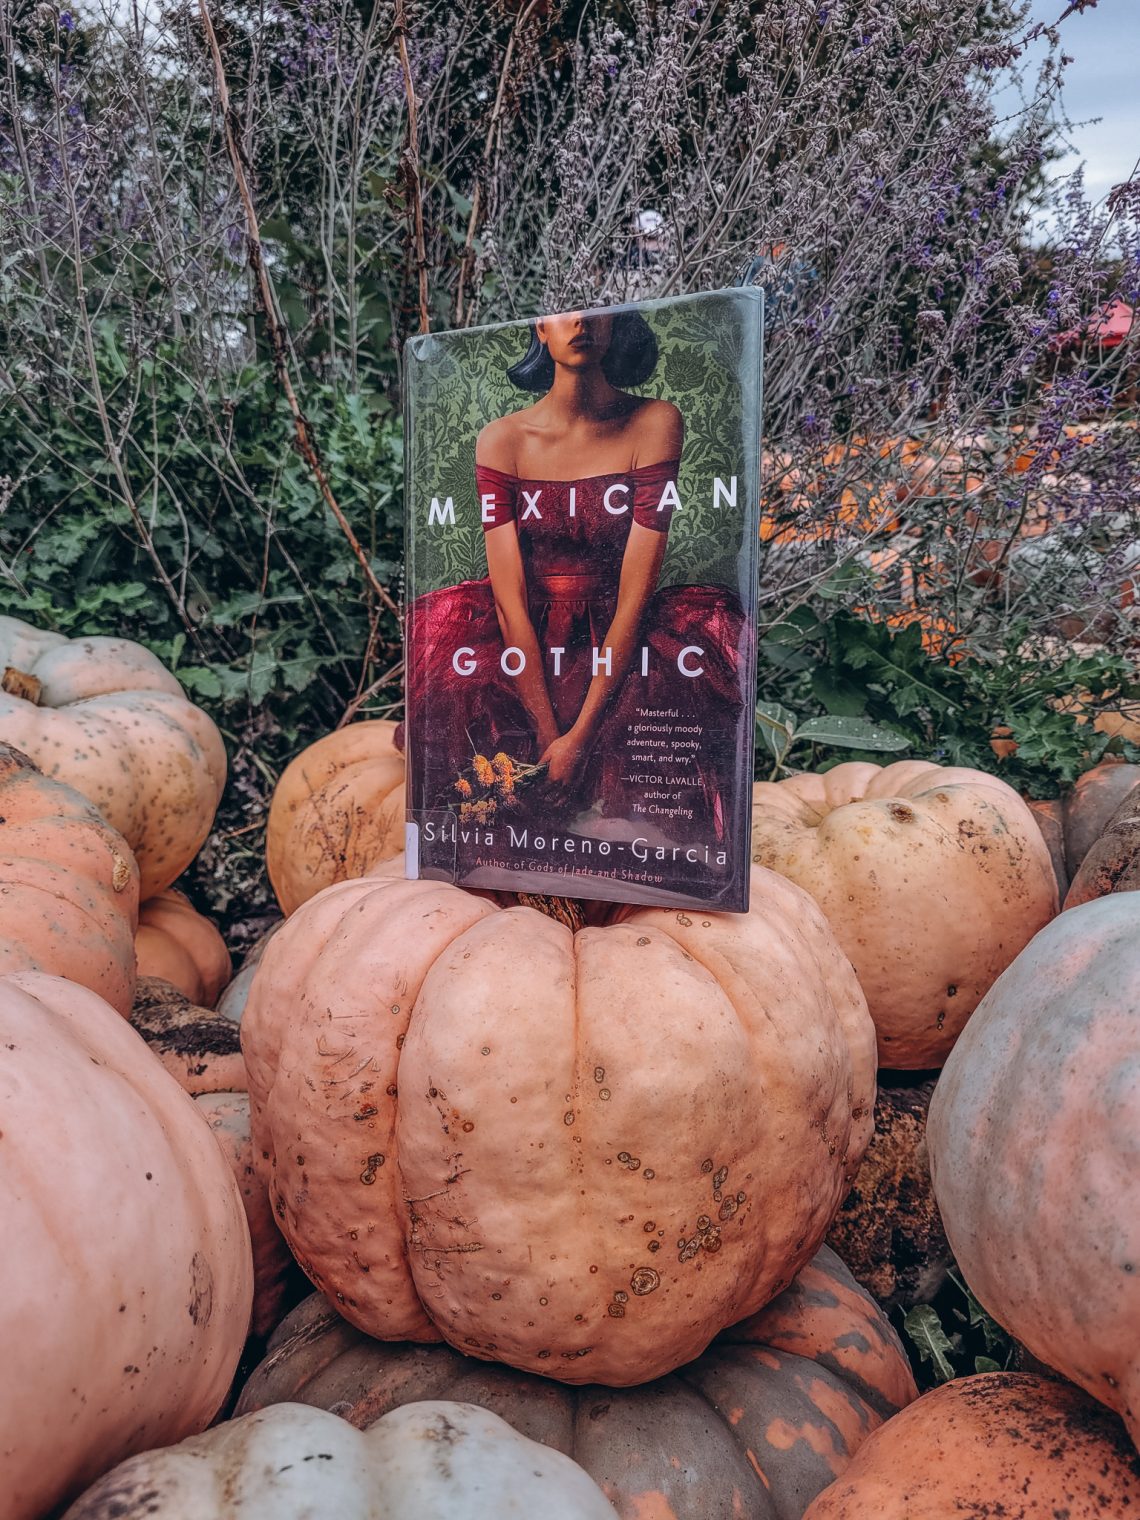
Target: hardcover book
point(582, 539)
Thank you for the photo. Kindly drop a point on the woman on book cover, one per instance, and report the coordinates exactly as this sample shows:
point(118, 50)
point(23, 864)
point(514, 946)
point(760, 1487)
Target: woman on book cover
point(576, 494)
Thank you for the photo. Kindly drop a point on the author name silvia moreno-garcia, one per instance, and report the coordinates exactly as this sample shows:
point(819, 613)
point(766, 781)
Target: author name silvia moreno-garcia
point(523, 837)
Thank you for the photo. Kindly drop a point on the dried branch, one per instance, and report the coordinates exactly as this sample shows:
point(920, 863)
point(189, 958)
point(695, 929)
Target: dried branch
point(412, 167)
point(274, 320)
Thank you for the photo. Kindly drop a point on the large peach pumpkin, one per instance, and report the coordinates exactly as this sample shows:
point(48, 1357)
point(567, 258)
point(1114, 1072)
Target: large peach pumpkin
point(337, 812)
point(422, 1462)
point(175, 942)
point(69, 886)
point(933, 879)
point(108, 718)
point(579, 1153)
point(756, 1427)
point(1034, 1139)
point(1002, 1444)
point(125, 1276)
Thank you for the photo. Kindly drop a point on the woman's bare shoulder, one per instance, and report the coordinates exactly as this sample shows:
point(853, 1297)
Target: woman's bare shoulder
point(497, 444)
point(660, 432)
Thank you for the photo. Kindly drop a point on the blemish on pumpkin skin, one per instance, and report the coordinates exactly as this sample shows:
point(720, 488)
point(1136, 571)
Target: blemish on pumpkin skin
point(755, 1466)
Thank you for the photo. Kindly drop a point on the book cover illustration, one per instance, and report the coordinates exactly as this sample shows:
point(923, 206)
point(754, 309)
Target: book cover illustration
point(582, 536)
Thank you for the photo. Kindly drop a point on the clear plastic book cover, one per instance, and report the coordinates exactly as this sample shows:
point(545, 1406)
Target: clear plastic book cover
point(582, 540)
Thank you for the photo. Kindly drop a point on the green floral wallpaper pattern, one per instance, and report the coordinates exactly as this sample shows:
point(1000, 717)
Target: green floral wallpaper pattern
point(708, 366)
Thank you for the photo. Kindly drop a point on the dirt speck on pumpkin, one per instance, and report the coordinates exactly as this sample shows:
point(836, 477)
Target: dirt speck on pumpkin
point(201, 1302)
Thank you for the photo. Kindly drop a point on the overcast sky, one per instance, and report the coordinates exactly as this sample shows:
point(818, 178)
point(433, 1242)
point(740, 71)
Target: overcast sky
point(1102, 81)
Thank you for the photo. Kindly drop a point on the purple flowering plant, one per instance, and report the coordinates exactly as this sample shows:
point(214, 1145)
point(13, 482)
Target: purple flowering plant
point(944, 434)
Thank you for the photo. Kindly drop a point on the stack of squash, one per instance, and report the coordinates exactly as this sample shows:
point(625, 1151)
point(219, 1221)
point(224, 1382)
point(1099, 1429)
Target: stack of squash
point(563, 1187)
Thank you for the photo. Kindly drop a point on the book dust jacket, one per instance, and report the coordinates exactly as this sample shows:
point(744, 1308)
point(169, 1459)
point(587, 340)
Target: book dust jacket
point(582, 537)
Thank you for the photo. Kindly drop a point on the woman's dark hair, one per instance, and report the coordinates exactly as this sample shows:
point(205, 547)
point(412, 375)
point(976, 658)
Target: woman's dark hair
point(630, 359)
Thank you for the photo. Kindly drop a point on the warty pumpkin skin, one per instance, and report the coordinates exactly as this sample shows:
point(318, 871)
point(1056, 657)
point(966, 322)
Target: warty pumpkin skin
point(69, 885)
point(1034, 1138)
point(175, 942)
point(754, 1428)
point(125, 1278)
point(1001, 1444)
point(338, 811)
point(932, 877)
point(201, 1051)
point(108, 718)
point(437, 1461)
point(582, 1154)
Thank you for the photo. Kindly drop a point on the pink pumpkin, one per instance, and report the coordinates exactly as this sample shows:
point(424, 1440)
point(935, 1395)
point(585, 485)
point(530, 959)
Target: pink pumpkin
point(933, 879)
point(580, 1153)
point(125, 1278)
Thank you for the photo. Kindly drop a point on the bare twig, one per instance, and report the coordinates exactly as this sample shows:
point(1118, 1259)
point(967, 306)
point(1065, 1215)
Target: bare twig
point(387, 679)
point(487, 168)
point(275, 322)
point(412, 167)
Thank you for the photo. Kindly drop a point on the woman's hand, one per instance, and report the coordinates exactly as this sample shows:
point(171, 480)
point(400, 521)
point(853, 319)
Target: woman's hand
point(563, 760)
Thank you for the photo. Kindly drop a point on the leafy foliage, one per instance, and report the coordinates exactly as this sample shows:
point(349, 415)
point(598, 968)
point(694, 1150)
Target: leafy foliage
point(954, 1337)
point(848, 155)
point(880, 689)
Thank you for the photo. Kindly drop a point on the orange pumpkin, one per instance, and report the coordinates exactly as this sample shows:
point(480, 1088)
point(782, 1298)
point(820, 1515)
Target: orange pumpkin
point(337, 812)
point(176, 943)
point(1034, 1139)
point(125, 1278)
point(1072, 824)
point(580, 1153)
point(69, 886)
point(932, 877)
point(200, 1050)
point(105, 716)
point(758, 1425)
point(1113, 862)
point(1006, 1444)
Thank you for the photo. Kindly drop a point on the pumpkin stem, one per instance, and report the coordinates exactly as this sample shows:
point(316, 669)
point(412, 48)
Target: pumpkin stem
point(17, 683)
point(566, 910)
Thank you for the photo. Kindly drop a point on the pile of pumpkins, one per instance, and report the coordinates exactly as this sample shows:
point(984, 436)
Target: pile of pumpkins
point(575, 1183)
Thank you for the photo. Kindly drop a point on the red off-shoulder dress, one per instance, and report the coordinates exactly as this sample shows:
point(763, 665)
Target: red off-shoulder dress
point(572, 536)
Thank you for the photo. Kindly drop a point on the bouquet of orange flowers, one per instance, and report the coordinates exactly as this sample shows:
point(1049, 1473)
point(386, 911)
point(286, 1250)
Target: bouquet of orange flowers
point(488, 786)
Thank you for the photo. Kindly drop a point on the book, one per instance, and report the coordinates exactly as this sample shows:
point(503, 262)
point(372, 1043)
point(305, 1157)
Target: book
point(582, 552)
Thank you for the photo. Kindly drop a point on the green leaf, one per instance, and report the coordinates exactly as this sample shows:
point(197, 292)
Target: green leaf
point(786, 656)
point(800, 626)
point(924, 1328)
point(851, 733)
point(775, 726)
point(838, 694)
point(201, 681)
point(986, 1364)
point(994, 1335)
point(462, 203)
